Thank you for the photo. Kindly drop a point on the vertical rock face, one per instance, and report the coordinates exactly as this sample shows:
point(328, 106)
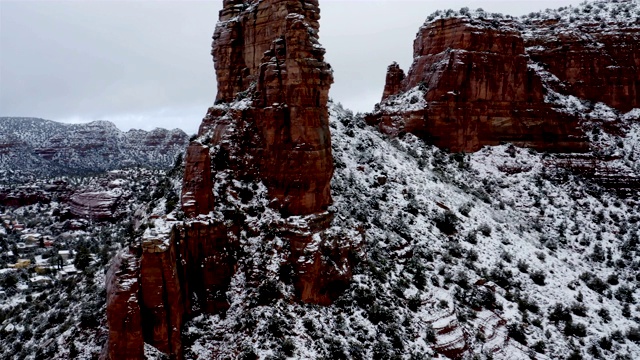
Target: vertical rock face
point(270, 125)
point(123, 308)
point(479, 81)
point(207, 251)
point(479, 88)
point(598, 63)
point(393, 81)
point(144, 299)
point(160, 294)
point(197, 197)
point(263, 148)
point(485, 62)
point(268, 51)
point(473, 87)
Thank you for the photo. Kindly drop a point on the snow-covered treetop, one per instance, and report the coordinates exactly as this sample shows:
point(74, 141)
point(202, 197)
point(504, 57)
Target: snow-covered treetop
point(465, 12)
point(600, 11)
point(605, 12)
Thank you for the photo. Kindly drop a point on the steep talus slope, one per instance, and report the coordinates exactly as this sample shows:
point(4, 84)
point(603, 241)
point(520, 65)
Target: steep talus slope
point(45, 147)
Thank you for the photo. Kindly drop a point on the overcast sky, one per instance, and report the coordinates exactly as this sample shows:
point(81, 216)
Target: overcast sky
point(147, 64)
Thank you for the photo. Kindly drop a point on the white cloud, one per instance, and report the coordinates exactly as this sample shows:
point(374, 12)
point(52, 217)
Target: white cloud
point(125, 61)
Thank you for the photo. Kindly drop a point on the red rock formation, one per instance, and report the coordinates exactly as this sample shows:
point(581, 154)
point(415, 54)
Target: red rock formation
point(197, 195)
point(319, 276)
point(123, 308)
point(95, 205)
point(590, 60)
point(393, 82)
point(477, 90)
point(270, 52)
point(160, 293)
point(269, 126)
point(271, 70)
point(11, 144)
point(208, 266)
point(23, 196)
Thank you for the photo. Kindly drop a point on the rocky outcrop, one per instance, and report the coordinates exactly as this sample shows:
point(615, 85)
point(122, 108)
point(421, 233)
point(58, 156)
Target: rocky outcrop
point(123, 308)
point(23, 196)
point(393, 81)
point(259, 168)
point(197, 197)
point(482, 79)
point(36, 192)
point(160, 293)
point(95, 205)
point(594, 62)
point(272, 122)
point(475, 87)
point(209, 263)
point(144, 297)
point(269, 52)
point(549, 82)
point(321, 275)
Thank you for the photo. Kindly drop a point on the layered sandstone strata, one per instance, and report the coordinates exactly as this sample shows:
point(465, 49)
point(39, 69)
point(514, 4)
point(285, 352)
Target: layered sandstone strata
point(269, 125)
point(594, 61)
point(267, 137)
point(542, 82)
point(95, 205)
point(269, 51)
point(475, 88)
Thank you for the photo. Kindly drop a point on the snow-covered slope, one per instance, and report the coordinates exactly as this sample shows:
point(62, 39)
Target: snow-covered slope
point(618, 13)
point(57, 312)
point(488, 255)
point(466, 255)
point(46, 147)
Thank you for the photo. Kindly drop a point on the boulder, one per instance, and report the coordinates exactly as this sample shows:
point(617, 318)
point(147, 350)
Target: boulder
point(100, 205)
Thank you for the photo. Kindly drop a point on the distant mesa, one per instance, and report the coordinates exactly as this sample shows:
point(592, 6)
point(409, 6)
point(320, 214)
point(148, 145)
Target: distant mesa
point(45, 147)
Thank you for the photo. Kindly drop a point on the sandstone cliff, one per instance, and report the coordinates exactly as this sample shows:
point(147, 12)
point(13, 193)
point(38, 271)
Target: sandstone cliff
point(477, 89)
point(256, 186)
point(596, 58)
point(257, 228)
point(483, 79)
point(281, 65)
